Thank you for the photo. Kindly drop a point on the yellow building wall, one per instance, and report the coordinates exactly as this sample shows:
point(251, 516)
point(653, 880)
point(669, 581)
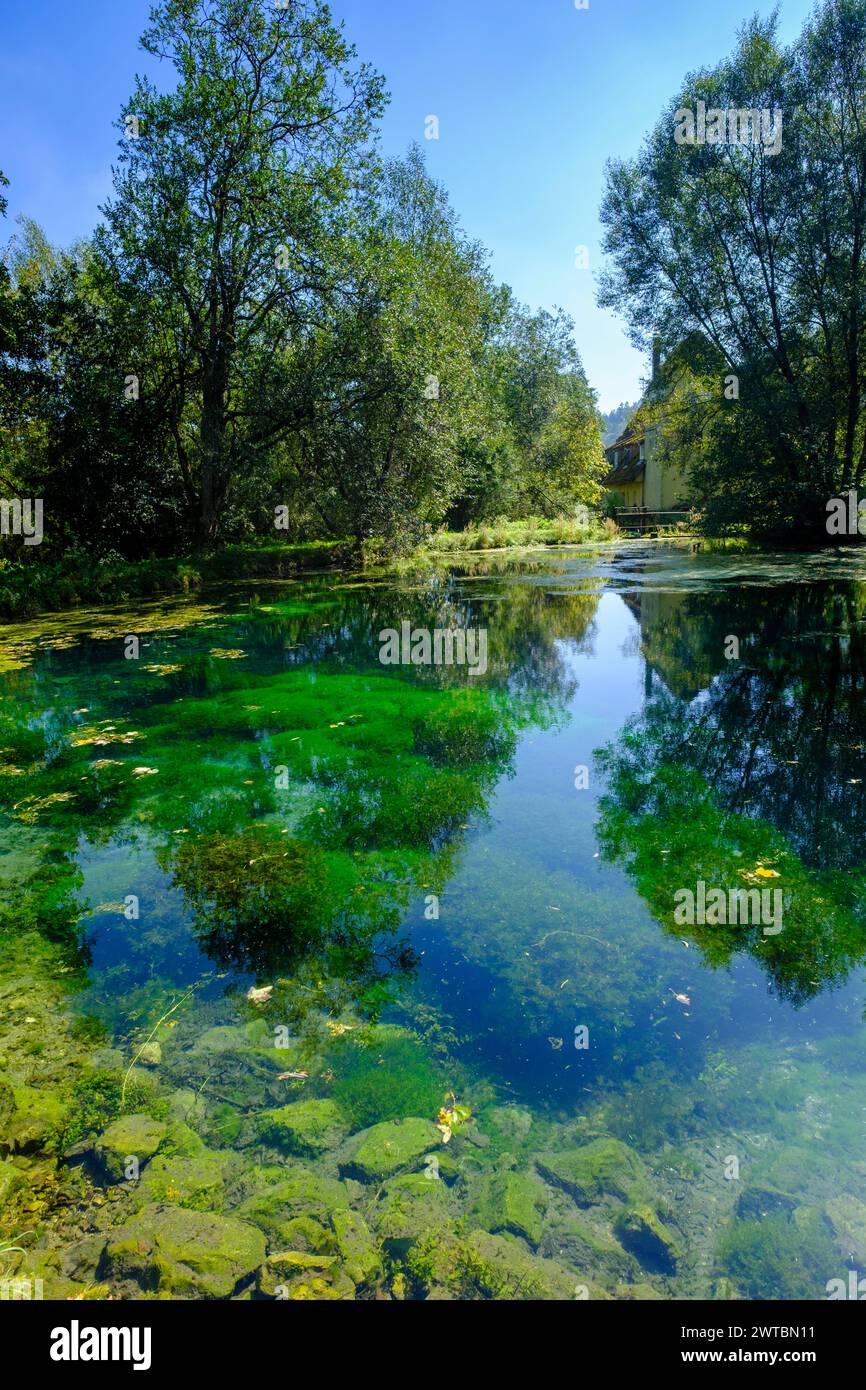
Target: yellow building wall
point(664, 488)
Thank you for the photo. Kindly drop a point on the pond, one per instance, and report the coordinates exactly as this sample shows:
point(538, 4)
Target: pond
point(405, 981)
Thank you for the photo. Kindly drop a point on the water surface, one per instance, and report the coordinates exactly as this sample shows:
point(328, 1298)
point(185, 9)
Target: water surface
point(462, 891)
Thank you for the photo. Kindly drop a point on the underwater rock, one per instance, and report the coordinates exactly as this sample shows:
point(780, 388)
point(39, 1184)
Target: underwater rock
point(762, 1199)
point(81, 1260)
point(570, 1236)
point(132, 1136)
point(223, 1039)
point(511, 1202)
point(187, 1105)
point(183, 1253)
point(306, 1234)
point(410, 1207)
point(641, 1231)
point(511, 1121)
point(7, 1104)
point(503, 1269)
point(299, 1277)
point(637, 1293)
point(386, 1148)
point(605, 1167)
point(847, 1216)
point(358, 1250)
point(195, 1181)
point(308, 1127)
point(298, 1192)
point(149, 1055)
point(11, 1180)
point(35, 1121)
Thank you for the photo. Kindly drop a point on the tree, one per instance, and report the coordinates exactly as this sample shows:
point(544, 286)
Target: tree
point(759, 246)
point(23, 380)
point(393, 400)
point(231, 197)
point(546, 456)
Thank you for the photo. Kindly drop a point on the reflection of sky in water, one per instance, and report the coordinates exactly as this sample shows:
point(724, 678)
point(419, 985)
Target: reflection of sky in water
point(536, 935)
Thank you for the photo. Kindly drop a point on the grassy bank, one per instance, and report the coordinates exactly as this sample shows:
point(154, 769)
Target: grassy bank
point(50, 585)
point(42, 584)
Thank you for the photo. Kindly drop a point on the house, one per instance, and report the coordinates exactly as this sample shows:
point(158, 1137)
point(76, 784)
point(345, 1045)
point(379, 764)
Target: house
point(639, 477)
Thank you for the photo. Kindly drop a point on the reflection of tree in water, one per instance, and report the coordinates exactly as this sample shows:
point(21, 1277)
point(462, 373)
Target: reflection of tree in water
point(383, 770)
point(747, 773)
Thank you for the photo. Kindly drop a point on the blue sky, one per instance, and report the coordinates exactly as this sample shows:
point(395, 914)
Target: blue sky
point(532, 97)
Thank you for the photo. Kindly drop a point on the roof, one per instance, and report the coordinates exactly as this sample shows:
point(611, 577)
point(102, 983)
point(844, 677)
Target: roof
point(625, 473)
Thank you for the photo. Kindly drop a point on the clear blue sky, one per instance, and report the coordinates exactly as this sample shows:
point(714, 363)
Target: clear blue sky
point(532, 97)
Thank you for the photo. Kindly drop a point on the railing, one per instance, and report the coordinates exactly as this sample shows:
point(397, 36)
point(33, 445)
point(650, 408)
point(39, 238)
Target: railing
point(644, 520)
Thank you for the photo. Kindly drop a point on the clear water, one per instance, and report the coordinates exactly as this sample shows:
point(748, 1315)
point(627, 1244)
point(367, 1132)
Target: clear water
point(284, 808)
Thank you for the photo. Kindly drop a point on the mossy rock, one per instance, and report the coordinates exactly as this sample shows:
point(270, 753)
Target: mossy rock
point(196, 1182)
point(762, 1199)
point(299, 1192)
point(307, 1128)
point(11, 1181)
point(847, 1218)
point(778, 1258)
point(384, 1149)
point(410, 1207)
point(188, 1107)
point(183, 1253)
point(502, 1269)
point(132, 1136)
point(603, 1168)
point(36, 1120)
point(510, 1202)
point(638, 1293)
point(358, 1250)
point(298, 1277)
point(642, 1231)
point(384, 1075)
point(7, 1104)
point(223, 1039)
point(511, 1121)
point(573, 1239)
point(306, 1234)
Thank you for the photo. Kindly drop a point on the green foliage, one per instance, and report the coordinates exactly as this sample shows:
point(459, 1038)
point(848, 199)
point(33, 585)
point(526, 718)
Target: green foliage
point(96, 1101)
point(386, 1075)
point(756, 250)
